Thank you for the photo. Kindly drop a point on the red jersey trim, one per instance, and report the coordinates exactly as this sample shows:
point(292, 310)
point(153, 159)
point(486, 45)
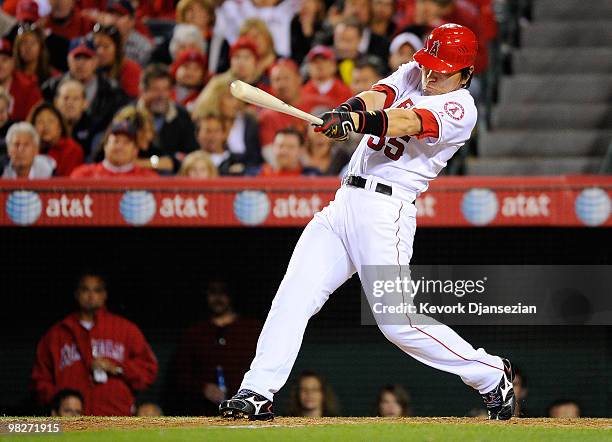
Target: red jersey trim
point(388, 91)
point(430, 128)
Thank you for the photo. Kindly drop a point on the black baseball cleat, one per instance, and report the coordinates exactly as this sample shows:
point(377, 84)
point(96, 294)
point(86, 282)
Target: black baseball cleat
point(247, 404)
point(500, 401)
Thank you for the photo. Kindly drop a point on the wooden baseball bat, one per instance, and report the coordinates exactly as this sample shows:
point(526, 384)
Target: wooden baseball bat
point(245, 92)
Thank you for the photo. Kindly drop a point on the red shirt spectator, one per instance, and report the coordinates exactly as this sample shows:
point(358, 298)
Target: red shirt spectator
point(68, 154)
point(322, 69)
point(102, 355)
point(22, 89)
point(190, 75)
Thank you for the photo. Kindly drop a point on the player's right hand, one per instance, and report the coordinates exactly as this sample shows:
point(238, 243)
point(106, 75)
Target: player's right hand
point(336, 125)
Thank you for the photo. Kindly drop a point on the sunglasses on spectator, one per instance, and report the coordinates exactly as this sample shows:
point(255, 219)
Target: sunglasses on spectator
point(105, 29)
point(27, 27)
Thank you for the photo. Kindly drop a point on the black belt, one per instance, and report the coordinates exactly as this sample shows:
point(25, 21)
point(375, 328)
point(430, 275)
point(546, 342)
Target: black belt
point(357, 181)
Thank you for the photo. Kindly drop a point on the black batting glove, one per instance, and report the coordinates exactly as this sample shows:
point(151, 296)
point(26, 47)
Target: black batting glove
point(336, 125)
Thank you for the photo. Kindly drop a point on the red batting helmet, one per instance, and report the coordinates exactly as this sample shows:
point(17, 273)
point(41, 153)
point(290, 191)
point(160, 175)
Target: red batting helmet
point(449, 48)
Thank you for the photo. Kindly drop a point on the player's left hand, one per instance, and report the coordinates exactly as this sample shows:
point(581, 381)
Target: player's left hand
point(336, 125)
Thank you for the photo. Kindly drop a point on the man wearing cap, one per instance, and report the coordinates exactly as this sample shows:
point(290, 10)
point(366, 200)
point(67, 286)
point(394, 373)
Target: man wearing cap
point(23, 91)
point(120, 153)
point(190, 76)
point(137, 46)
point(104, 96)
point(323, 81)
point(243, 66)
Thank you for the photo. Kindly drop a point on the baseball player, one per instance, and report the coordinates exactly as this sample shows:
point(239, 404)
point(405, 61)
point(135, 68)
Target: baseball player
point(415, 120)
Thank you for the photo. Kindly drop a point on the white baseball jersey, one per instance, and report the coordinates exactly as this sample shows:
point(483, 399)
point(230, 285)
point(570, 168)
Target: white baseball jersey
point(411, 162)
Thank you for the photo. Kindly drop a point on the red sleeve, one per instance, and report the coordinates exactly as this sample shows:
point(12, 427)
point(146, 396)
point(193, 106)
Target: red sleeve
point(83, 171)
point(130, 78)
point(42, 371)
point(72, 158)
point(140, 366)
point(388, 91)
point(430, 128)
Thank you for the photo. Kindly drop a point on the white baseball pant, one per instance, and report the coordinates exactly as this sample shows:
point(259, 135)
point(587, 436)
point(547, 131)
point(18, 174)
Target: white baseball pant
point(358, 228)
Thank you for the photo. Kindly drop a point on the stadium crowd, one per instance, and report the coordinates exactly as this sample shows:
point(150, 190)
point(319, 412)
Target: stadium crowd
point(122, 88)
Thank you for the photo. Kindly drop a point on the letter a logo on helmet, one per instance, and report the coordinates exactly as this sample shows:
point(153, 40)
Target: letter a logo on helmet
point(449, 48)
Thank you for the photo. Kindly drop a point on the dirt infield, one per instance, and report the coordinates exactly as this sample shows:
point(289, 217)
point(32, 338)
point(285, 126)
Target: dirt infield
point(126, 423)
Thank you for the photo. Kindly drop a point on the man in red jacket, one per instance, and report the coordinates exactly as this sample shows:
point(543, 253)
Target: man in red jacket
point(322, 69)
point(103, 356)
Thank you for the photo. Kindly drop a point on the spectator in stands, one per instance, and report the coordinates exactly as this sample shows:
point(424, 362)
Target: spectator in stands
point(347, 37)
point(286, 85)
point(275, 13)
point(304, 26)
point(23, 159)
point(185, 36)
point(402, 49)
point(174, 129)
point(368, 70)
point(67, 403)
point(258, 32)
point(198, 164)
point(288, 150)
point(312, 396)
point(23, 91)
point(201, 13)
point(103, 96)
point(212, 355)
point(241, 126)
point(121, 14)
point(212, 138)
point(323, 155)
point(190, 75)
point(322, 70)
point(66, 20)
point(243, 66)
point(112, 62)
point(5, 122)
point(564, 408)
point(120, 154)
point(393, 401)
point(103, 355)
point(31, 55)
point(149, 409)
point(150, 155)
point(54, 138)
point(382, 23)
point(72, 103)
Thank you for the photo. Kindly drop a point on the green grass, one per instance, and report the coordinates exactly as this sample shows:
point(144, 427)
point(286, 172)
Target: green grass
point(358, 432)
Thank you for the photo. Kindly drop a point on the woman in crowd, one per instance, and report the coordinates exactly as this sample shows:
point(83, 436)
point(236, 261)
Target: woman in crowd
point(31, 55)
point(241, 126)
point(393, 401)
point(324, 155)
point(112, 61)
point(312, 396)
point(304, 26)
point(201, 13)
point(258, 31)
point(54, 138)
point(198, 164)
